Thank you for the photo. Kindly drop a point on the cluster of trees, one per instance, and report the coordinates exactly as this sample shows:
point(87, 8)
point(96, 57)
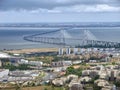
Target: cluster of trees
point(94, 78)
point(19, 67)
point(95, 58)
point(71, 70)
point(117, 83)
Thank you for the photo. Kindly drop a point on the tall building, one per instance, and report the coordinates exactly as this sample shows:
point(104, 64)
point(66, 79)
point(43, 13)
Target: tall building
point(75, 50)
point(89, 50)
point(112, 76)
point(60, 51)
point(82, 50)
point(0, 63)
point(68, 50)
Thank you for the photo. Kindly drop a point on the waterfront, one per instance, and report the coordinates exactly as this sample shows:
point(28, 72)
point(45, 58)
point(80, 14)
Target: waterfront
point(12, 38)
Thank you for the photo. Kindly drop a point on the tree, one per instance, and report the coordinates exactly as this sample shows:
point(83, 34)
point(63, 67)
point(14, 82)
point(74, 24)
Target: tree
point(45, 89)
point(71, 70)
point(117, 83)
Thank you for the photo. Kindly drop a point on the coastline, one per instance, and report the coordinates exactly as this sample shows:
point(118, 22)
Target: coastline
point(30, 50)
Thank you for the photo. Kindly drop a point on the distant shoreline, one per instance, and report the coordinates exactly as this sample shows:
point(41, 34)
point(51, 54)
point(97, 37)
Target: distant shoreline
point(20, 51)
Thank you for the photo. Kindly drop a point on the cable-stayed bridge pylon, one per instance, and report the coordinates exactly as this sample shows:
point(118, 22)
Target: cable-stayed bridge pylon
point(63, 38)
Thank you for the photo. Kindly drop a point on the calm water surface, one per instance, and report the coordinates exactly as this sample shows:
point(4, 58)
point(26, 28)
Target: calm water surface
point(12, 38)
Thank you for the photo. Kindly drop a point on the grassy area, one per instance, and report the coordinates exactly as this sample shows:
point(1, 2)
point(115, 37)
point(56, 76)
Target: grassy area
point(20, 67)
point(43, 88)
point(47, 87)
point(40, 88)
point(42, 74)
point(32, 50)
point(44, 59)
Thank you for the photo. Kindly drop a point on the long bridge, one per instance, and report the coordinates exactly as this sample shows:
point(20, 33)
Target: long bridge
point(63, 38)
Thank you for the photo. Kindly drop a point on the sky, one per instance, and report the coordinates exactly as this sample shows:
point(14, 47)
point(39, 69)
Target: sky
point(30, 11)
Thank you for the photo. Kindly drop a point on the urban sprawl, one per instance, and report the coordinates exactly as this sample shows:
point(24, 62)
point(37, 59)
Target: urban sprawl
point(60, 69)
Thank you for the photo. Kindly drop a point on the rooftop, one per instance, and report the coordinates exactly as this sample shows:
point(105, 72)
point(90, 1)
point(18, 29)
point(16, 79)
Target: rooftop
point(4, 55)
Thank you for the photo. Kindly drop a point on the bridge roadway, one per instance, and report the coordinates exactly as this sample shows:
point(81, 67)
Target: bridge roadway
point(62, 41)
point(103, 43)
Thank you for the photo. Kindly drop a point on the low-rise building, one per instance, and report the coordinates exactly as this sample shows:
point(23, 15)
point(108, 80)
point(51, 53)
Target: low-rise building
point(36, 63)
point(4, 73)
point(76, 86)
point(61, 63)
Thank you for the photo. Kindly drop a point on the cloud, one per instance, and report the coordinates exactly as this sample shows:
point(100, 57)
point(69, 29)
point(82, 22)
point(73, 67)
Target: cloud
point(94, 8)
point(102, 8)
point(79, 8)
point(59, 6)
point(40, 10)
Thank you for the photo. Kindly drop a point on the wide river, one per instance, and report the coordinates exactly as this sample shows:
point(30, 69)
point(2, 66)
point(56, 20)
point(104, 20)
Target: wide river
point(12, 38)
